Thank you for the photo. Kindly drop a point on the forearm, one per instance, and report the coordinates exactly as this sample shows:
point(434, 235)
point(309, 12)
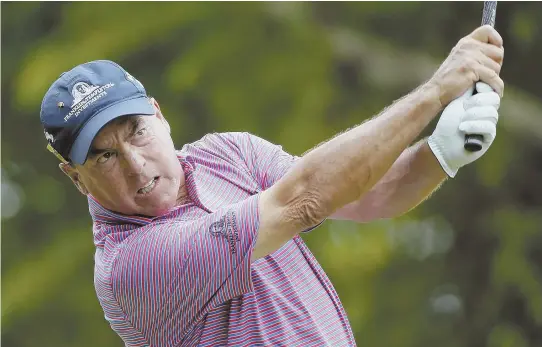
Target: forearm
point(410, 180)
point(345, 168)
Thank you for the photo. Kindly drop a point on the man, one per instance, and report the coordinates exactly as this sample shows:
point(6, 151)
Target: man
point(200, 246)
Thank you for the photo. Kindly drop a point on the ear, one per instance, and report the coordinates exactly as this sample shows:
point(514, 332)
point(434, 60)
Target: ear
point(159, 115)
point(73, 174)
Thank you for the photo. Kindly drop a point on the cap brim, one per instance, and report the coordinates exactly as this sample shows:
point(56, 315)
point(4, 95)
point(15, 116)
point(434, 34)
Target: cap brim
point(81, 145)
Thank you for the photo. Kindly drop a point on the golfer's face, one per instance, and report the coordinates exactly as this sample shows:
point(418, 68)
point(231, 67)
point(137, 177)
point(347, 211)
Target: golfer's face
point(132, 167)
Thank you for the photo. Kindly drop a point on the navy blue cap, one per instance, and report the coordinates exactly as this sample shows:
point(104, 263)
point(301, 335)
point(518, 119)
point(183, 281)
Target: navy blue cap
point(83, 100)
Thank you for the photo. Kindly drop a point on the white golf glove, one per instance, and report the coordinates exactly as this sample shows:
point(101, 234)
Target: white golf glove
point(468, 114)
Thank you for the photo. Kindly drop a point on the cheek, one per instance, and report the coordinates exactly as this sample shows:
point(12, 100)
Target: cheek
point(164, 136)
point(164, 160)
point(110, 187)
point(163, 148)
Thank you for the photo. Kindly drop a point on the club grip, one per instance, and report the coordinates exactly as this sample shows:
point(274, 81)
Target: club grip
point(473, 142)
point(489, 13)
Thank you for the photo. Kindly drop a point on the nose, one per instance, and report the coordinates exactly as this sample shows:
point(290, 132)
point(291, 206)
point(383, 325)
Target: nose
point(134, 162)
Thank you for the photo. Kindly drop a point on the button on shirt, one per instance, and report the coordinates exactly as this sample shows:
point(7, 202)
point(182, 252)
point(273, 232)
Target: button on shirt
point(185, 278)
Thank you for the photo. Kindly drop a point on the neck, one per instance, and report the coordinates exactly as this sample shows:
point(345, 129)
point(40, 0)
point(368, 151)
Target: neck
point(182, 196)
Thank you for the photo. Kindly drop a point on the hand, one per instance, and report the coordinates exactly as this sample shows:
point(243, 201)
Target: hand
point(476, 57)
point(468, 114)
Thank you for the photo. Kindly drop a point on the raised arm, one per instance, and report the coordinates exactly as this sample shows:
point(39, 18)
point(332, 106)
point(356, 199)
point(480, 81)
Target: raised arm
point(345, 168)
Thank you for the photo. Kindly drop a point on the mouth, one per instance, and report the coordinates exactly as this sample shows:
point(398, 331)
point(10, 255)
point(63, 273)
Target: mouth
point(149, 186)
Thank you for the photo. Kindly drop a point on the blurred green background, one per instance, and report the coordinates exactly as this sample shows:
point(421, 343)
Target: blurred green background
point(462, 270)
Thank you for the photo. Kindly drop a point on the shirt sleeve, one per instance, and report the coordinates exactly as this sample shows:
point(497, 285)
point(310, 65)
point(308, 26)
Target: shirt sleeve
point(171, 275)
point(266, 161)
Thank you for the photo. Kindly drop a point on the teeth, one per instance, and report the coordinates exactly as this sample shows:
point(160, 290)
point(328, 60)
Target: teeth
point(148, 187)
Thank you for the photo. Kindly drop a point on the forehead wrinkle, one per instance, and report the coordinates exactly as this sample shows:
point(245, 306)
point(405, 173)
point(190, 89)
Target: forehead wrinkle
point(117, 128)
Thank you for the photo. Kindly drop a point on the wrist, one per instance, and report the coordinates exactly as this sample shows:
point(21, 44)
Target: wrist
point(430, 94)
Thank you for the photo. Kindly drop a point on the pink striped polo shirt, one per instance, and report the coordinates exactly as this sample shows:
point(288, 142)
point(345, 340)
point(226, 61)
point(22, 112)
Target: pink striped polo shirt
point(185, 278)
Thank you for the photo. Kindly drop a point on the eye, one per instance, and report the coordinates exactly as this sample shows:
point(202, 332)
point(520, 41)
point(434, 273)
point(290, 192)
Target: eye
point(141, 132)
point(105, 157)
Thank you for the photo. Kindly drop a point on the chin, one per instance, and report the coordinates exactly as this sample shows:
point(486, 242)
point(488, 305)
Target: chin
point(162, 208)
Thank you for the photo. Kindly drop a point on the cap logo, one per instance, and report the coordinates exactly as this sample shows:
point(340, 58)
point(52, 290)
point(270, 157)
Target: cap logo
point(85, 95)
point(80, 90)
